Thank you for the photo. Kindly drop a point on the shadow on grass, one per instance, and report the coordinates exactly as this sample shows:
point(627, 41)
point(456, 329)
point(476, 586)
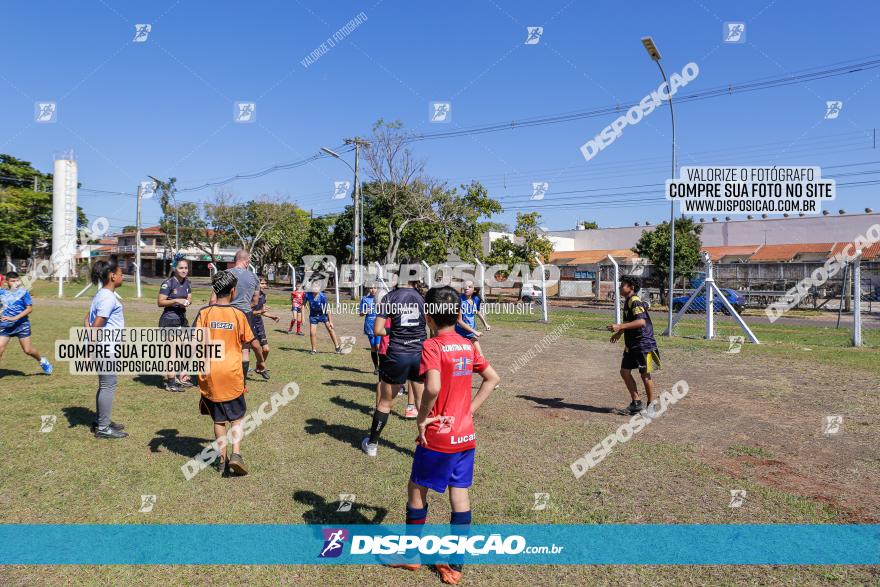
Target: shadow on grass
point(5, 372)
point(327, 512)
point(151, 380)
point(362, 408)
point(349, 434)
point(346, 383)
point(170, 439)
point(343, 368)
point(79, 416)
point(558, 403)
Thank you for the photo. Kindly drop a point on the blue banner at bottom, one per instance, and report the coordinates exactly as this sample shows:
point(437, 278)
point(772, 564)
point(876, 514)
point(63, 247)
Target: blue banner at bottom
point(562, 544)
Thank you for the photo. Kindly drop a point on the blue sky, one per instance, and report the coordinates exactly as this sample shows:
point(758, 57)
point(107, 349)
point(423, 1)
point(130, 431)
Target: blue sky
point(165, 107)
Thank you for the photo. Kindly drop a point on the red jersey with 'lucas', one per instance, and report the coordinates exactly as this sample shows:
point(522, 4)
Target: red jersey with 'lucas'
point(456, 359)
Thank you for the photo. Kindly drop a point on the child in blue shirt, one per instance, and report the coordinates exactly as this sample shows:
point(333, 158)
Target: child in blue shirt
point(319, 313)
point(14, 322)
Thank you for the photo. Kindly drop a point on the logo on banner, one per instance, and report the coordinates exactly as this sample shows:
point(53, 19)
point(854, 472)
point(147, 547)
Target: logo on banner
point(334, 538)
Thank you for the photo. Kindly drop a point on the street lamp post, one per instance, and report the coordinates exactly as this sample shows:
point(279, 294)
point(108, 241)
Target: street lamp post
point(651, 48)
point(357, 251)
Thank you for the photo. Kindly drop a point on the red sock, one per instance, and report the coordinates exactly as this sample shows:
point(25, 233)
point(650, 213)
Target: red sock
point(298, 324)
point(289, 328)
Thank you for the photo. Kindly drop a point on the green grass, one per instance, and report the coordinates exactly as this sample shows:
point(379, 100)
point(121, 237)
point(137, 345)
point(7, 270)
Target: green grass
point(306, 455)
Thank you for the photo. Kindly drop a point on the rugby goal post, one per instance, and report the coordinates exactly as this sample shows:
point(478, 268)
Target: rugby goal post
point(617, 309)
point(857, 300)
point(710, 289)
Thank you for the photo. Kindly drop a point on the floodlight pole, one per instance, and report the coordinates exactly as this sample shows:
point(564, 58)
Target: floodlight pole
point(482, 277)
point(857, 300)
point(137, 241)
point(430, 277)
point(648, 42)
point(710, 301)
point(543, 290)
point(617, 317)
point(292, 275)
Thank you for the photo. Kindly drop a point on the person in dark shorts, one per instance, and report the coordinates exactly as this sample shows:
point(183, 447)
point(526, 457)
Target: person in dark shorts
point(405, 306)
point(261, 310)
point(640, 349)
point(246, 296)
point(175, 296)
point(223, 386)
point(17, 305)
point(320, 313)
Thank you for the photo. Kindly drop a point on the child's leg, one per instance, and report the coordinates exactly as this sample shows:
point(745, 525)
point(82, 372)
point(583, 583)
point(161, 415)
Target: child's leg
point(332, 332)
point(265, 352)
point(374, 355)
point(477, 346)
point(383, 408)
point(28, 349)
point(417, 387)
point(220, 437)
point(299, 321)
point(417, 498)
point(648, 381)
point(4, 340)
point(313, 336)
point(460, 519)
point(236, 433)
point(459, 499)
point(630, 384)
point(292, 322)
point(104, 399)
point(410, 394)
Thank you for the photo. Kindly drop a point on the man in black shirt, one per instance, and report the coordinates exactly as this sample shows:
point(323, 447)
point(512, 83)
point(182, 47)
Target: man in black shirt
point(405, 306)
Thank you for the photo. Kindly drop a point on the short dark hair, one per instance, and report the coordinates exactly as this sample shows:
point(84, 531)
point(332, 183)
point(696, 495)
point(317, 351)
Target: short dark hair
point(442, 304)
point(631, 281)
point(223, 282)
point(102, 270)
point(12, 275)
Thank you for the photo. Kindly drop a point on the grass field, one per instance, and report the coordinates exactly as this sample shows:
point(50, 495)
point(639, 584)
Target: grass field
point(752, 421)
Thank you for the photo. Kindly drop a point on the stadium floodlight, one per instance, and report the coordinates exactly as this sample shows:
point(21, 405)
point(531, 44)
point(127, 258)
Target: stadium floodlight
point(652, 50)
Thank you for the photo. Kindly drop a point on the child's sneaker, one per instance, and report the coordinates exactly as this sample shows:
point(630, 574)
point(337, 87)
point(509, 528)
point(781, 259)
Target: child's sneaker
point(339, 350)
point(371, 450)
point(635, 407)
point(184, 382)
point(236, 465)
point(172, 385)
point(449, 574)
point(300, 333)
point(411, 411)
point(46, 366)
point(314, 352)
point(264, 374)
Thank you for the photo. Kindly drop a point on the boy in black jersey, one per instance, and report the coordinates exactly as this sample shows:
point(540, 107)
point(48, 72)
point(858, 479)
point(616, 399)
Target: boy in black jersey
point(640, 349)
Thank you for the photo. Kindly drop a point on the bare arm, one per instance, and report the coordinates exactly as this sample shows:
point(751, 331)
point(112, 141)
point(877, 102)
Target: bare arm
point(17, 317)
point(379, 327)
point(490, 382)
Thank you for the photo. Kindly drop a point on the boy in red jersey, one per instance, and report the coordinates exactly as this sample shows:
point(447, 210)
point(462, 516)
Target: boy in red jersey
point(445, 453)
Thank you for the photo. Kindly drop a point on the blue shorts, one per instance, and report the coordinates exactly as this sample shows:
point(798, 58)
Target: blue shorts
point(437, 470)
point(317, 319)
point(20, 329)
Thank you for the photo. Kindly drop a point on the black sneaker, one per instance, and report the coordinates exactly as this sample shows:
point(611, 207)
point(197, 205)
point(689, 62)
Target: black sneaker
point(112, 425)
point(264, 374)
point(339, 350)
point(220, 465)
point(172, 385)
point(110, 432)
point(635, 407)
point(184, 384)
point(236, 465)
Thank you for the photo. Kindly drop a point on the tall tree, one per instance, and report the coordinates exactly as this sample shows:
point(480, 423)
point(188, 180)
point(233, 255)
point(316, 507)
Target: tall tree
point(528, 243)
point(654, 246)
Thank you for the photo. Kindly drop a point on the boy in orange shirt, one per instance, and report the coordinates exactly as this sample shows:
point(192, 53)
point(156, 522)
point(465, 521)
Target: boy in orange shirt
point(223, 386)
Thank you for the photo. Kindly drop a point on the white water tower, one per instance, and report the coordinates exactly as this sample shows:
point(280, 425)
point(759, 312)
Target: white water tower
point(64, 238)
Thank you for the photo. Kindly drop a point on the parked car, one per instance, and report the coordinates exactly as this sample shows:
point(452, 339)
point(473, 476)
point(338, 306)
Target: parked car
point(699, 303)
point(531, 292)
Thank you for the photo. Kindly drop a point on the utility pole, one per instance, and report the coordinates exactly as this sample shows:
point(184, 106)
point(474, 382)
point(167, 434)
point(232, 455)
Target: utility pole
point(358, 249)
point(137, 243)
